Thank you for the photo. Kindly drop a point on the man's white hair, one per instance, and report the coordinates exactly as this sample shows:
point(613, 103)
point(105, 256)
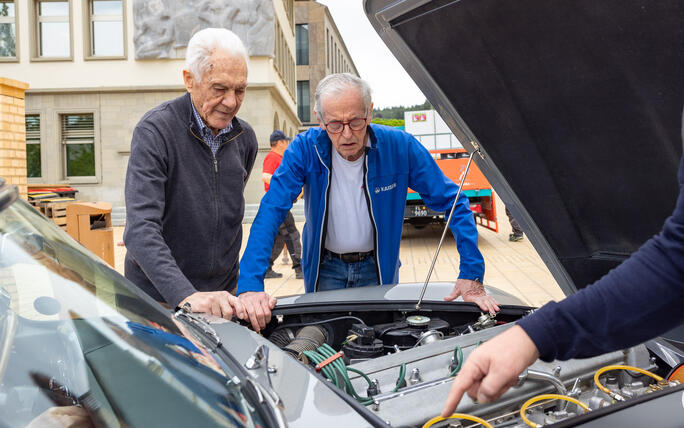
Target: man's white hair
point(204, 42)
point(335, 84)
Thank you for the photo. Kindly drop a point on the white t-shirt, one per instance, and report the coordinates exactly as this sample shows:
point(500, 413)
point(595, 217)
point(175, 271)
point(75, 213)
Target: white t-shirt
point(349, 226)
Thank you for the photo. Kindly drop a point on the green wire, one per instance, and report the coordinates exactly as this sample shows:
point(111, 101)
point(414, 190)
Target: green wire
point(458, 358)
point(338, 367)
point(327, 371)
point(351, 369)
point(400, 380)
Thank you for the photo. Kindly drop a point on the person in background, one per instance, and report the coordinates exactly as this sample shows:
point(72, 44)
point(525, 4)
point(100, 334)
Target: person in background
point(287, 232)
point(517, 232)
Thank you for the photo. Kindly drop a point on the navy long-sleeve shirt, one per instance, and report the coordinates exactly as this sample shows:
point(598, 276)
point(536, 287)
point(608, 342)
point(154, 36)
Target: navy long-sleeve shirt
point(640, 299)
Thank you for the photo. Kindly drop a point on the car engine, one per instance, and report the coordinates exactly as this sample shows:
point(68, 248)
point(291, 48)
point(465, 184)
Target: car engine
point(401, 368)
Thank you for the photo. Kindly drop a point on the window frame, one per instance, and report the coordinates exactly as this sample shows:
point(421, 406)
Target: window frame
point(14, 58)
point(299, 47)
point(34, 40)
point(90, 179)
point(89, 34)
point(41, 141)
point(300, 107)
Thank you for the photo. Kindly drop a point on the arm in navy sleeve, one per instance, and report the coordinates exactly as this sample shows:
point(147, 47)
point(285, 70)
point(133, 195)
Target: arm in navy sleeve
point(638, 300)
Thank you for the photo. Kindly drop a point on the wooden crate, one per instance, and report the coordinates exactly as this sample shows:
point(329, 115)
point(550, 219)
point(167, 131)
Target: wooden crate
point(55, 210)
point(37, 205)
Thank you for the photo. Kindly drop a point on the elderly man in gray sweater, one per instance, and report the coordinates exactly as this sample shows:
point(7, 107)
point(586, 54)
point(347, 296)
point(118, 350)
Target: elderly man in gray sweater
point(190, 160)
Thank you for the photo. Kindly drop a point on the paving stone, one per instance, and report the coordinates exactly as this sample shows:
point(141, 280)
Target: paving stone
point(513, 267)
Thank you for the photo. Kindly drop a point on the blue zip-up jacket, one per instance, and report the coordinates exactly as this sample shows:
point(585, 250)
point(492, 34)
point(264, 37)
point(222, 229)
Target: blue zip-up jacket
point(394, 162)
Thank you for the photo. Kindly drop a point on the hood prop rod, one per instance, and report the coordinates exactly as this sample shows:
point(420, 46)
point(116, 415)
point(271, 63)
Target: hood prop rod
point(446, 227)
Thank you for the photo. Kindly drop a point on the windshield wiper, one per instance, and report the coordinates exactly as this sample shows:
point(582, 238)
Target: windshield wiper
point(257, 392)
point(209, 334)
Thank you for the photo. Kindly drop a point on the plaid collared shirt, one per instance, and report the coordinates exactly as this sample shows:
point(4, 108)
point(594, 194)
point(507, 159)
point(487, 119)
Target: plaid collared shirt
point(211, 140)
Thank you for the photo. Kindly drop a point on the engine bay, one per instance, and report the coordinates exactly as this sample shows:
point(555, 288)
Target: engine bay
point(400, 364)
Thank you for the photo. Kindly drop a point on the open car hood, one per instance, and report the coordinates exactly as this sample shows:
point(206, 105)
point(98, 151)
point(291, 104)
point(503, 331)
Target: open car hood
point(576, 107)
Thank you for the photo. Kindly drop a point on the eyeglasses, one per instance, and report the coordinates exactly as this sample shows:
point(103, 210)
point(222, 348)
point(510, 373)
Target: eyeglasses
point(336, 126)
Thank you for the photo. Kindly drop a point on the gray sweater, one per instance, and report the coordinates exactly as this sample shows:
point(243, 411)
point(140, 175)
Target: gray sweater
point(184, 207)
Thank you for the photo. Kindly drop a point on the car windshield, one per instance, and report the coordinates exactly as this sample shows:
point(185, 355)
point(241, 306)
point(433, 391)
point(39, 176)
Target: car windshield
point(77, 342)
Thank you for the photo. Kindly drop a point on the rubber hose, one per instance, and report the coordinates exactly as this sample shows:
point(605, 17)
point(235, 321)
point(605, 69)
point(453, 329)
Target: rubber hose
point(281, 338)
point(308, 338)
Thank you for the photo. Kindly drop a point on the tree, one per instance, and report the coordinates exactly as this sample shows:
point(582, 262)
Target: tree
point(397, 112)
point(389, 122)
point(8, 46)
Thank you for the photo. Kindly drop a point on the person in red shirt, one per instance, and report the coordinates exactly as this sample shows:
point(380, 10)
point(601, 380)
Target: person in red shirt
point(287, 232)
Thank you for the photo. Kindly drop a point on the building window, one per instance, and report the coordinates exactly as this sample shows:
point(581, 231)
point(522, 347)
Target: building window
point(302, 35)
point(53, 29)
point(78, 140)
point(284, 61)
point(33, 166)
point(303, 105)
point(8, 36)
point(106, 28)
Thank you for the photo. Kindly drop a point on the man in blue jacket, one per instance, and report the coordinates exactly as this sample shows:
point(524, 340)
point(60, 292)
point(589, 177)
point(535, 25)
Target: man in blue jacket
point(608, 315)
point(355, 177)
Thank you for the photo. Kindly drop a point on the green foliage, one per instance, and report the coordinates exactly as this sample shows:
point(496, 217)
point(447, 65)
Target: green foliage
point(81, 160)
point(33, 160)
point(389, 122)
point(7, 39)
point(398, 111)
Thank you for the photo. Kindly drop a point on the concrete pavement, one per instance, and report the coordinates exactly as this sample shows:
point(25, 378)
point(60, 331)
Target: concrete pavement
point(513, 267)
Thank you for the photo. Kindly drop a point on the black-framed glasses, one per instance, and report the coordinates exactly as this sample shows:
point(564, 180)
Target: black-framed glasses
point(337, 126)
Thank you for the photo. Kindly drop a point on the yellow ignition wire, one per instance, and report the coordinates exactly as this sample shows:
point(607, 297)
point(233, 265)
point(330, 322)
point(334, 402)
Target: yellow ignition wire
point(436, 419)
point(613, 395)
point(541, 397)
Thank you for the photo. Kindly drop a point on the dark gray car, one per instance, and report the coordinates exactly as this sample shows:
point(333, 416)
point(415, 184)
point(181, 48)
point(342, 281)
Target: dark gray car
point(574, 107)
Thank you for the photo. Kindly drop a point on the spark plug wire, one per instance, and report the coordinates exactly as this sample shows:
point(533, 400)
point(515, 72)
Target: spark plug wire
point(541, 397)
point(613, 395)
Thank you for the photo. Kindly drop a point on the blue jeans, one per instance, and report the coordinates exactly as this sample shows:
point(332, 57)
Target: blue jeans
point(335, 274)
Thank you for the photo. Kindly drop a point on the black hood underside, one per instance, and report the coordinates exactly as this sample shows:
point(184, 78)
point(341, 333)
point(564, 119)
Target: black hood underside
point(576, 104)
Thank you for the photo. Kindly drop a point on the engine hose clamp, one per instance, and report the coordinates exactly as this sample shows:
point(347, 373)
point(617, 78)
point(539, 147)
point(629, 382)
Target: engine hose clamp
point(328, 360)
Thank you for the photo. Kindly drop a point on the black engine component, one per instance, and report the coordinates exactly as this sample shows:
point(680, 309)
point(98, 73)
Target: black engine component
point(405, 334)
point(365, 345)
point(282, 337)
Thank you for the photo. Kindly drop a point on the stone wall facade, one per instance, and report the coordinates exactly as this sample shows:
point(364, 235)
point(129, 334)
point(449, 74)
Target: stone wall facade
point(327, 52)
point(164, 27)
point(13, 133)
point(116, 115)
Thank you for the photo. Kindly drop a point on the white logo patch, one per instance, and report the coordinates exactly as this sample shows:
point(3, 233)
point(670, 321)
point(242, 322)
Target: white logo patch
point(385, 188)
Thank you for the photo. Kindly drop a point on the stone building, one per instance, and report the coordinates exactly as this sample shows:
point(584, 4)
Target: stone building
point(94, 67)
point(12, 133)
point(320, 51)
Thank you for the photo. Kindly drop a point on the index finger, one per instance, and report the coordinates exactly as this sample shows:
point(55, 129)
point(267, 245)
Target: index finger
point(239, 308)
point(252, 315)
point(462, 382)
point(490, 304)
